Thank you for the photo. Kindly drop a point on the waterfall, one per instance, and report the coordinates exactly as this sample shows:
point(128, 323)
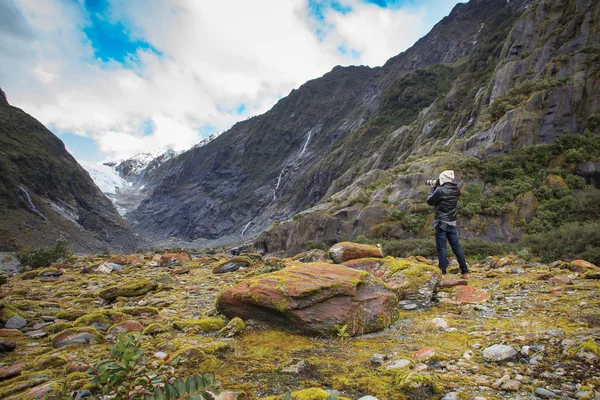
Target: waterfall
point(30, 206)
point(246, 227)
point(306, 143)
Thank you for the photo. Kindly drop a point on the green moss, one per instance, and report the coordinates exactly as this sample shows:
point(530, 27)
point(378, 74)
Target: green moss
point(394, 265)
point(105, 317)
point(155, 329)
point(25, 381)
point(310, 394)
point(70, 315)
point(201, 325)
point(10, 312)
point(47, 361)
point(591, 346)
point(58, 327)
point(76, 381)
point(137, 311)
point(138, 288)
point(88, 329)
point(235, 326)
point(418, 386)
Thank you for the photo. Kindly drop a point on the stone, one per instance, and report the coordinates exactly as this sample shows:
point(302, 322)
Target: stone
point(501, 381)
point(36, 334)
point(180, 271)
point(11, 370)
point(10, 332)
point(48, 318)
point(228, 395)
point(134, 289)
point(448, 283)
point(15, 322)
point(45, 390)
point(315, 255)
point(511, 385)
point(231, 266)
point(294, 367)
point(377, 359)
point(560, 280)
point(582, 266)
point(108, 267)
point(397, 364)
point(346, 251)
point(77, 337)
point(499, 353)
point(171, 259)
point(440, 323)
point(41, 325)
point(368, 397)
point(126, 327)
point(233, 327)
point(545, 393)
point(161, 355)
point(134, 260)
point(424, 354)
point(314, 298)
point(467, 294)
point(450, 396)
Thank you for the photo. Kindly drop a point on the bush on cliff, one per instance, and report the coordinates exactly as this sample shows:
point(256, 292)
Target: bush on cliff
point(44, 256)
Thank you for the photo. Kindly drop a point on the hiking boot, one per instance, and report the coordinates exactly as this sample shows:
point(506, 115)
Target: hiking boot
point(465, 276)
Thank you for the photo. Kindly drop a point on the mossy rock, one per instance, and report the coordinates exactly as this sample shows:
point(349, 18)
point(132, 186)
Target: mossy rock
point(199, 325)
point(76, 336)
point(100, 318)
point(25, 381)
point(58, 327)
point(233, 327)
point(76, 381)
point(418, 386)
point(46, 362)
point(155, 329)
point(310, 394)
point(71, 315)
point(138, 288)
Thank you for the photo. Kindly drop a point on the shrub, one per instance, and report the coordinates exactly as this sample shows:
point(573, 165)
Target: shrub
point(44, 256)
point(570, 241)
point(123, 376)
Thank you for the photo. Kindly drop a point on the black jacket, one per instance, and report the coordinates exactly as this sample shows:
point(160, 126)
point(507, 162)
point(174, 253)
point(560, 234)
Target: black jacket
point(444, 198)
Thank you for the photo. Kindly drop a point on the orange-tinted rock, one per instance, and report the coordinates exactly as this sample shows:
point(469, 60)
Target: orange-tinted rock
point(448, 283)
point(371, 265)
point(560, 280)
point(11, 370)
point(180, 271)
point(557, 290)
point(38, 392)
point(582, 265)
point(467, 294)
point(171, 259)
point(10, 332)
point(134, 259)
point(315, 255)
point(346, 251)
point(314, 298)
point(126, 327)
point(68, 337)
point(557, 182)
point(424, 354)
point(424, 260)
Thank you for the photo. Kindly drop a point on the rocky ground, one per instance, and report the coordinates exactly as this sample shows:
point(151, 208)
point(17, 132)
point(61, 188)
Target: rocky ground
point(518, 330)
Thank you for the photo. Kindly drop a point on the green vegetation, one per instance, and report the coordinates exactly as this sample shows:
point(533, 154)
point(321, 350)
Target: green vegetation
point(44, 256)
point(123, 376)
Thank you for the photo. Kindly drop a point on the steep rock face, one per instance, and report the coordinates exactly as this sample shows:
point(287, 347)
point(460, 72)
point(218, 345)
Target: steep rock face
point(45, 194)
point(319, 137)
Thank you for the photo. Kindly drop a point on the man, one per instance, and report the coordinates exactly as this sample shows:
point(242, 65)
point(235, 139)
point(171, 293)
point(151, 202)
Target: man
point(444, 197)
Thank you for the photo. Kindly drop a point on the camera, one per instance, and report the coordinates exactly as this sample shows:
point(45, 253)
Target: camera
point(433, 182)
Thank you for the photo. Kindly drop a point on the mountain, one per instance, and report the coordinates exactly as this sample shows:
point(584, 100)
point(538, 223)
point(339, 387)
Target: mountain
point(347, 154)
point(45, 194)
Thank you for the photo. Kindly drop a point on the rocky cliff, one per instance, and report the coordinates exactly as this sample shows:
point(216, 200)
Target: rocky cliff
point(355, 146)
point(46, 195)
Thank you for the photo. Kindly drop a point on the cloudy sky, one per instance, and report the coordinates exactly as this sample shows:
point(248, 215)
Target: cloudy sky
point(116, 77)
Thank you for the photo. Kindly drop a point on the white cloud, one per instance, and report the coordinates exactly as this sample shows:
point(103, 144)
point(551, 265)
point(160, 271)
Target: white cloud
point(215, 56)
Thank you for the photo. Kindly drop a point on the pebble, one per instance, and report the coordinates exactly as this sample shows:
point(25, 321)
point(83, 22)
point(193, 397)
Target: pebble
point(36, 334)
point(15, 322)
point(161, 355)
point(368, 398)
point(545, 393)
point(377, 359)
point(440, 323)
point(511, 385)
point(48, 318)
point(450, 396)
point(499, 353)
point(142, 303)
point(396, 364)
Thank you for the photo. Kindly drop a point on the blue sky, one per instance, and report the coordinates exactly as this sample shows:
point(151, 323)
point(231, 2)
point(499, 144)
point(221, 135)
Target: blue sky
point(116, 77)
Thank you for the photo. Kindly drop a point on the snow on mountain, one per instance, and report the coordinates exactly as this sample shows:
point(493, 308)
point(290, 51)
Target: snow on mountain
point(106, 178)
point(132, 167)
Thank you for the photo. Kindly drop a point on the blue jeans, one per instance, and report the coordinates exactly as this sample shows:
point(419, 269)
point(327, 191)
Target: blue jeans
point(442, 232)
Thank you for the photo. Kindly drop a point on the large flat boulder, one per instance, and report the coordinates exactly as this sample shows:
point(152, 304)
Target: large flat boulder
point(413, 281)
point(314, 298)
point(345, 251)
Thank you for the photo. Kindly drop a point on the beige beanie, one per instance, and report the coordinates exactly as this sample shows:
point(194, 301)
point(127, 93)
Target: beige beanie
point(446, 176)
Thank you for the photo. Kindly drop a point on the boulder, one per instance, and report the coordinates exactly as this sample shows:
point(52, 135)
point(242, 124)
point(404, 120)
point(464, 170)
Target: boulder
point(314, 298)
point(15, 322)
point(171, 259)
point(134, 259)
point(499, 353)
point(345, 251)
point(467, 294)
point(315, 255)
point(582, 266)
point(128, 290)
point(75, 336)
point(222, 267)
